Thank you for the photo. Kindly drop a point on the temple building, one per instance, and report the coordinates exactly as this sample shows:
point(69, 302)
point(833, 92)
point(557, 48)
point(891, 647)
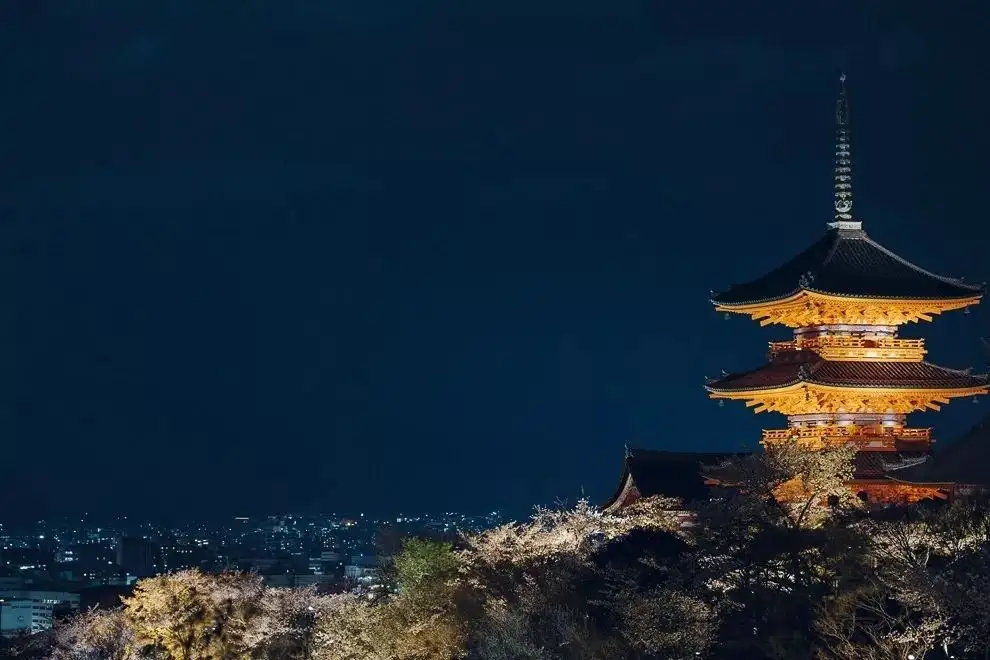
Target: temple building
point(845, 377)
point(673, 474)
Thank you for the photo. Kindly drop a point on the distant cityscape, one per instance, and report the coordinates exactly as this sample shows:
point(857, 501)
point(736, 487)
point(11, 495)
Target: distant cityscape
point(51, 570)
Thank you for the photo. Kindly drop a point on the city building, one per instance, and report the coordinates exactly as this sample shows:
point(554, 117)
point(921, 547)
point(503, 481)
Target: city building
point(845, 377)
point(42, 608)
point(15, 617)
point(363, 567)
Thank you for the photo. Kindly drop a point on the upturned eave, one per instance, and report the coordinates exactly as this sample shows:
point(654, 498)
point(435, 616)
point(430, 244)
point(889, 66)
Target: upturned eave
point(806, 398)
point(807, 306)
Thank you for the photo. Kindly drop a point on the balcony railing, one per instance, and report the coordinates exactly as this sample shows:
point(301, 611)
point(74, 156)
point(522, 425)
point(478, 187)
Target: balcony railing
point(856, 348)
point(881, 435)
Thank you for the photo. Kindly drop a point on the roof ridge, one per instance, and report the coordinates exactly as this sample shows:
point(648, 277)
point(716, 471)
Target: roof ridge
point(942, 278)
point(835, 247)
point(967, 371)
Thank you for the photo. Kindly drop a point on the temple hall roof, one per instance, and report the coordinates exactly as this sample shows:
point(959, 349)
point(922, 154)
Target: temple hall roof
point(674, 474)
point(793, 367)
point(847, 262)
point(965, 460)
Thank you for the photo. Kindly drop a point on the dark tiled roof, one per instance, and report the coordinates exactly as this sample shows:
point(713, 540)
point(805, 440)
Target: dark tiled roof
point(781, 370)
point(965, 460)
point(848, 262)
point(893, 374)
point(674, 474)
point(792, 367)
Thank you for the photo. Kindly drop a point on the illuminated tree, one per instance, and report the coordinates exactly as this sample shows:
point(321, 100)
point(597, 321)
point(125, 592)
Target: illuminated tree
point(775, 544)
point(190, 615)
point(931, 583)
point(579, 583)
point(94, 635)
point(422, 561)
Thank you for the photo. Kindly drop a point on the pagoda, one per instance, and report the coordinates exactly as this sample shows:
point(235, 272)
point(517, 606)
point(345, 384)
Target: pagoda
point(846, 377)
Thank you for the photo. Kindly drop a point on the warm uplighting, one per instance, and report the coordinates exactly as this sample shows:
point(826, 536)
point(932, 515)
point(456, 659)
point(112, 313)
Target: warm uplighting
point(846, 379)
point(887, 349)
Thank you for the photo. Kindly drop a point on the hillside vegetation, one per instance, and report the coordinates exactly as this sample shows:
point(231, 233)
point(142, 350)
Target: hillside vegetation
point(753, 578)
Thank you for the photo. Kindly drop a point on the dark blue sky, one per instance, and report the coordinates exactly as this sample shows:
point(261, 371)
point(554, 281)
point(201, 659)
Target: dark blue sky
point(381, 255)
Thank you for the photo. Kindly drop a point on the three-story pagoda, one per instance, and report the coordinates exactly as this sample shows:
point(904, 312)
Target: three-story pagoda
point(846, 376)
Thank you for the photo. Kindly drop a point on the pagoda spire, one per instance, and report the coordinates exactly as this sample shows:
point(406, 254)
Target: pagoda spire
point(843, 163)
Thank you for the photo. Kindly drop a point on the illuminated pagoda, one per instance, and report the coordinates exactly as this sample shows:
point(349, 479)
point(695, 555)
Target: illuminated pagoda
point(846, 377)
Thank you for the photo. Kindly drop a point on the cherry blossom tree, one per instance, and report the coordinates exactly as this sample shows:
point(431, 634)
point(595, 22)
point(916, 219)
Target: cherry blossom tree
point(95, 635)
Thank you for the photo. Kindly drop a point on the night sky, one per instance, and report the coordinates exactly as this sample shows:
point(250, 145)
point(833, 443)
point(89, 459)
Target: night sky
point(395, 255)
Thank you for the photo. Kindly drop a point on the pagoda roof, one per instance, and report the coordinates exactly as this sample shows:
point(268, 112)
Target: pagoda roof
point(847, 262)
point(794, 367)
point(674, 474)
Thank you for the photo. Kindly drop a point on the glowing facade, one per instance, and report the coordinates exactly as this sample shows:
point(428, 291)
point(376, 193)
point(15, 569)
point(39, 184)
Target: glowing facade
point(846, 377)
